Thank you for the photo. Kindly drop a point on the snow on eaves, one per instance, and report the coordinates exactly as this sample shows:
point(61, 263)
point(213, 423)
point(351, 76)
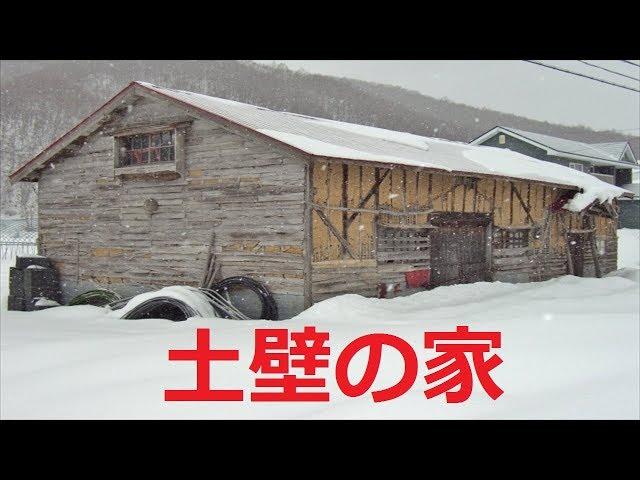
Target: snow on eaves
point(333, 139)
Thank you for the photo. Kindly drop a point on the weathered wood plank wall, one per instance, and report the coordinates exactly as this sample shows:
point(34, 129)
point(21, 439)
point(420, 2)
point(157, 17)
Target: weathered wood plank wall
point(94, 226)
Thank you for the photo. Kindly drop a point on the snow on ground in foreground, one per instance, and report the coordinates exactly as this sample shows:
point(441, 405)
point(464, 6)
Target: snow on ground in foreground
point(570, 350)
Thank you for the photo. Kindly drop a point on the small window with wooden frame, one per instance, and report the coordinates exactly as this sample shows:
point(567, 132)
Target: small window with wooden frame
point(405, 244)
point(146, 148)
point(150, 150)
point(511, 237)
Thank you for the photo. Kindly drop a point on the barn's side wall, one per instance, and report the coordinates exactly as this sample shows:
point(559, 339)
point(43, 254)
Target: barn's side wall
point(410, 190)
point(94, 227)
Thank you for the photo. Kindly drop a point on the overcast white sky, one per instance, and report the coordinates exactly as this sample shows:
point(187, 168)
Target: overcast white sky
point(508, 86)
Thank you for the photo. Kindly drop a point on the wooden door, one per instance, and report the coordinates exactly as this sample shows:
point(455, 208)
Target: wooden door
point(459, 249)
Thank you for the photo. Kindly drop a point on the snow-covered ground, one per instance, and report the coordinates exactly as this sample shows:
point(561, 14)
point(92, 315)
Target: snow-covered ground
point(570, 349)
point(628, 248)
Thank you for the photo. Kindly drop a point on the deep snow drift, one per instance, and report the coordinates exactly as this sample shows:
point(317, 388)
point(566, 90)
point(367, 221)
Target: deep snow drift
point(570, 348)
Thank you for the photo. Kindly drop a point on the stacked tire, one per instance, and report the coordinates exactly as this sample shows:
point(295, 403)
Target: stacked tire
point(31, 279)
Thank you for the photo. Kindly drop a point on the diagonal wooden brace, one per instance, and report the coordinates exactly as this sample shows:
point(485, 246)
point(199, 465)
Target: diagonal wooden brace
point(336, 233)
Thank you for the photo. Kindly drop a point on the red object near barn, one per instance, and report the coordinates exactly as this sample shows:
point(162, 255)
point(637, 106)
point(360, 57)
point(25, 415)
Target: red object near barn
point(418, 278)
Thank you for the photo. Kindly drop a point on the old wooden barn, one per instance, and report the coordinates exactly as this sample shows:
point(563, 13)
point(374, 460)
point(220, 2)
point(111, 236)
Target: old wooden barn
point(138, 194)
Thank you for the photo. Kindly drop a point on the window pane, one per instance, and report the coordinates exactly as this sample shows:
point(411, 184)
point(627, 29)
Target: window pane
point(125, 142)
point(154, 155)
point(167, 154)
point(129, 160)
point(144, 141)
point(166, 138)
point(155, 139)
point(140, 156)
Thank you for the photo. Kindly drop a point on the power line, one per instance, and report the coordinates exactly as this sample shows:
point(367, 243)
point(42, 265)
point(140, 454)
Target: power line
point(610, 71)
point(630, 62)
point(583, 75)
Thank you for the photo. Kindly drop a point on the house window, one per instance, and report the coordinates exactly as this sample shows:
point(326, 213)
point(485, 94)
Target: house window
point(577, 166)
point(601, 246)
point(511, 238)
point(402, 244)
point(147, 148)
point(502, 139)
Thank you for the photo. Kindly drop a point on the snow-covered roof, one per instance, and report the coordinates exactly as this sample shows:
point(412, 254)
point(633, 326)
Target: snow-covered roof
point(634, 188)
point(332, 139)
point(615, 149)
point(607, 152)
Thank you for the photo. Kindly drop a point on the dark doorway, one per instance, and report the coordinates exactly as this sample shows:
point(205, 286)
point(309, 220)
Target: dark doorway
point(459, 248)
point(578, 245)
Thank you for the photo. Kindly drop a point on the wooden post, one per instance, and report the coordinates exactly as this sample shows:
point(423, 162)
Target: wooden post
point(77, 258)
point(307, 267)
point(208, 271)
point(345, 201)
point(569, 259)
point(594, 248)
point(594, 254)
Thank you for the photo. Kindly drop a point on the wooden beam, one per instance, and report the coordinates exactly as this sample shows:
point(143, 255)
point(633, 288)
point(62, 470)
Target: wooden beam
point(511, 203)
point(370, 210)
point(594, 254)
point(372, 191)
point(335, 231)
point(594, 247)
point(475, 196)
point(345, 202)
point(444, 194)
point(493, 198)
point(569, 259)
point(441, 171)
point(515, 190)
point(307, 268)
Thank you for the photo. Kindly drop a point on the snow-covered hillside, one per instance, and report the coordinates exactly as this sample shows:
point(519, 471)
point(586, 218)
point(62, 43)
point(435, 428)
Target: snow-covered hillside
point(570, 349)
